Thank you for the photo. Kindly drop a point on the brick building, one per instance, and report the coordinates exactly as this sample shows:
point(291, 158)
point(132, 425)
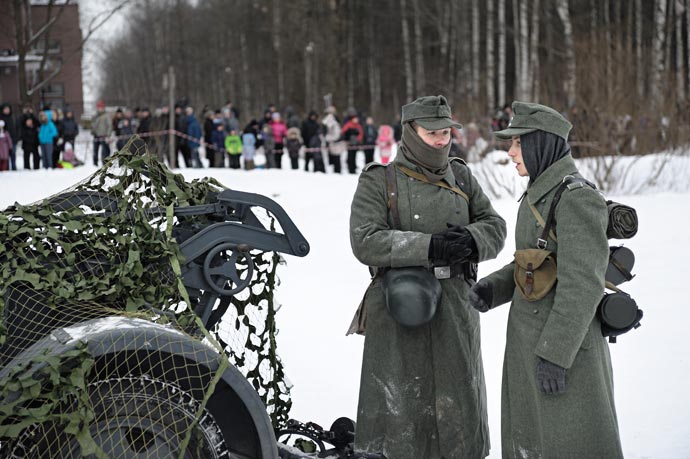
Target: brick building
point(64, 40)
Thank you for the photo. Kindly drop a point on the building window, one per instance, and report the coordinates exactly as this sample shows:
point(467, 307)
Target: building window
point(54, 47)
point(54, 90)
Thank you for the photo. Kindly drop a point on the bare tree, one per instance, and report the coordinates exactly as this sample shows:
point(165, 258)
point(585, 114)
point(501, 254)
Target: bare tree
point(502, 51)
point(475, 49)
point(490, 59)
point(638, 49)
point(419, 51)
point(658, 51)
point(571, 67)
point(277, 48)
point(534, 52)
point(680, 64)
point(409, 88)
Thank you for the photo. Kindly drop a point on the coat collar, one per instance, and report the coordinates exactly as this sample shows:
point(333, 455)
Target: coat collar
point(551, 178)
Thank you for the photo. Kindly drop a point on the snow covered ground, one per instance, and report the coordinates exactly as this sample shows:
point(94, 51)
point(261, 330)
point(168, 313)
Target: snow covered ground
point(320, 292)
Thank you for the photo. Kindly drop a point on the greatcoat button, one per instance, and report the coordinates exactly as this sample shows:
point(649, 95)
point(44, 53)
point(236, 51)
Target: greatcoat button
point(536, 311)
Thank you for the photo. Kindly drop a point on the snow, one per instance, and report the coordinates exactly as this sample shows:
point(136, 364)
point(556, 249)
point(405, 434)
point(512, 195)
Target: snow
point(320, 292)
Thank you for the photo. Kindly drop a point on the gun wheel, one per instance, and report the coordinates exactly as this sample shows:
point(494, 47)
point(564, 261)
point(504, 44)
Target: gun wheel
point(135, 417)
point(220, 269)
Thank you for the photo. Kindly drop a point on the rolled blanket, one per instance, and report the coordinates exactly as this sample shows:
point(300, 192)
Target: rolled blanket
point(622, 221)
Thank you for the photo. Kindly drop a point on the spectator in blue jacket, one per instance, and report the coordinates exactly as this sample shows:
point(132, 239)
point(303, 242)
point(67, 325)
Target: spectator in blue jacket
point(193, 131)
point(46, 135)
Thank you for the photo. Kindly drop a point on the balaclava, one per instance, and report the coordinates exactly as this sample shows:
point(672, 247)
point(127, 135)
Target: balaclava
point(432, 161)
point(540, 149)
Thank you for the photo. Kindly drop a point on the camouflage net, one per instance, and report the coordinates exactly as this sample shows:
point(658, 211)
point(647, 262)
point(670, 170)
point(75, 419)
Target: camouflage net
point(114, 256)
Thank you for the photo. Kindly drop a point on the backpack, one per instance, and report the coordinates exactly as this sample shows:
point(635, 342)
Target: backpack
point(617, 311)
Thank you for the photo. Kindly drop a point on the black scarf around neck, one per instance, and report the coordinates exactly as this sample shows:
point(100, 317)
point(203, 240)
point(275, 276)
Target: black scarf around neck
point(432, 161)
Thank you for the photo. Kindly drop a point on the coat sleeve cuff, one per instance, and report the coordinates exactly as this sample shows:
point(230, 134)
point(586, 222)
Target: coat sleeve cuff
point(410, 249)
point(560, 340)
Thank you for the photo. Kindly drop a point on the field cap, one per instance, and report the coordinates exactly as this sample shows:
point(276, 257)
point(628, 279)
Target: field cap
point(430, 112)
point(529, 117)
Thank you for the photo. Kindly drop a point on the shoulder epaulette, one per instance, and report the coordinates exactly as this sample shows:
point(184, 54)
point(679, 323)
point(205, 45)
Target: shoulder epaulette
point(455, 158)
point(372, 165)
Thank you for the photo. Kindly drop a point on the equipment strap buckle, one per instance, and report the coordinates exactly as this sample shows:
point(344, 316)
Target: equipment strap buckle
point(541, 243)
point(442, 272)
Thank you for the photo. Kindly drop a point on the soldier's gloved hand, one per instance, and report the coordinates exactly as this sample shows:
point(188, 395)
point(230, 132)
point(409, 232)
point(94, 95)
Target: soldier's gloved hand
point(550, 377)
point(463, 240)
point(438, 250)
point(481, 295)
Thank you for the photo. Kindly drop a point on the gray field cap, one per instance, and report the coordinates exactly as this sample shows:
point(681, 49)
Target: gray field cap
point(430, 112)
point(529, 117)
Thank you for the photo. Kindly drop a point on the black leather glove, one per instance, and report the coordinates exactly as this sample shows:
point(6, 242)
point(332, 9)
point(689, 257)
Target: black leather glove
point(550, 377)
point(481, 296)
point(452, 246)
point(463, 238)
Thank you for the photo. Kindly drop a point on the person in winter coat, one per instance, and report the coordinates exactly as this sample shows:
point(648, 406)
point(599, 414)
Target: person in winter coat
point(6, 146)
point(311, 135)
point(145, 127)
point(353, 133)
point(218, 142)
point(293, 145)
point(233, 145)
point(12, 129)
point(370, 135)
point(101, 128)
point(557, 397)
point(193, 131)
point(335, 146)
point(208, 133)
point(422, 392)
point(70, 128)
point(124, 127)
point(30, 143)
point(385, 142)
point(249, 141)
point(279, 129)
point(268, 143)
point(47, 133)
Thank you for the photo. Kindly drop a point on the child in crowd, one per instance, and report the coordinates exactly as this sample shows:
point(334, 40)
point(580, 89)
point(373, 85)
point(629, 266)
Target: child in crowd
point(233, 145)
point(385, 142)
point(248, 150)
point(293, 145)
point(269, 145)
point(69, 160)
point(218, 142)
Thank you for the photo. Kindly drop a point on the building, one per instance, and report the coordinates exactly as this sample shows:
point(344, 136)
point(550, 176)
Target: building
point(64, 47)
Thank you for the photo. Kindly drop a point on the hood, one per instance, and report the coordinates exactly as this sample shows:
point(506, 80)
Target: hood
point(2, 107)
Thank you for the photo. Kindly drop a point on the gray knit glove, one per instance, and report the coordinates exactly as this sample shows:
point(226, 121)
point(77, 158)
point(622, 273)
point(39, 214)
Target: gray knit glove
point(550, 377)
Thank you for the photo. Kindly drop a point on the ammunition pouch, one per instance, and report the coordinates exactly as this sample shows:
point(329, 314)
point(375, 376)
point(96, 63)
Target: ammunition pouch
point(412, 295)
point(534, 273)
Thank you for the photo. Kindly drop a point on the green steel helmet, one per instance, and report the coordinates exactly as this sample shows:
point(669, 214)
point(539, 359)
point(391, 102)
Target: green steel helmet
point(412, 295)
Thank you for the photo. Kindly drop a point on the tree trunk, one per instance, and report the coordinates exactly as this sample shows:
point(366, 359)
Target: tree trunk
point(278, 50)
point(525, 81)
point(246, 91)
point(640, 73)
point(657, 69)
point(534, 52)
point(517, 50)
point(607, 56)
point(570, 68)
point(409, 88)
point(680, 64)
point(502, 51)
point(350, 56)
point(687, 39)
point(419, 58)
point(490, 79)
point(475, 49)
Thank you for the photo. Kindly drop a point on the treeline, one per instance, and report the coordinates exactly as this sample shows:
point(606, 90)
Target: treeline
point(601, 59)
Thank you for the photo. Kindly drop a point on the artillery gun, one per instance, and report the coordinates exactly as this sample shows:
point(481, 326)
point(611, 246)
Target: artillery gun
point(83, 377)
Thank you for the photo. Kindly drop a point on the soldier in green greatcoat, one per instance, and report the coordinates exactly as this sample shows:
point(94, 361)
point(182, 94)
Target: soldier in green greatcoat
point(557, 391)
point(422, 391)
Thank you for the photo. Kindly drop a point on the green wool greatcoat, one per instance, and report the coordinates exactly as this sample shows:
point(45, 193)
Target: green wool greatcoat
point(561, 328)
point(422, 391)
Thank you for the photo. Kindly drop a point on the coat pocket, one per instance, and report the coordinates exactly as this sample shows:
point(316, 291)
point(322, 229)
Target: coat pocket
point(534, 273)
